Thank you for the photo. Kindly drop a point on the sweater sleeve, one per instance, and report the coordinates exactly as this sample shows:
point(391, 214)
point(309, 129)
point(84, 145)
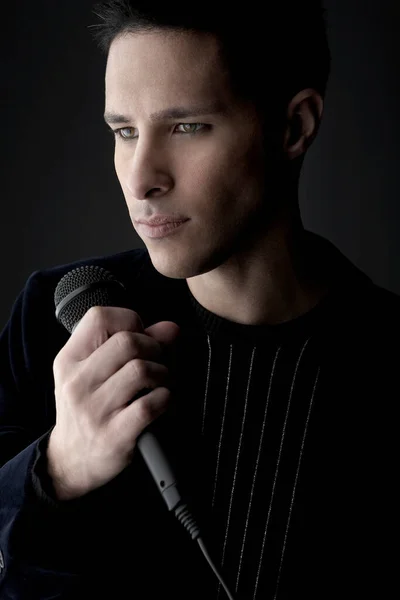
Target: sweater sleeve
point(45, 545)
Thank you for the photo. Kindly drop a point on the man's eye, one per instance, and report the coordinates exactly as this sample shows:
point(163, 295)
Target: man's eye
point(118, 133)
point(186, 126)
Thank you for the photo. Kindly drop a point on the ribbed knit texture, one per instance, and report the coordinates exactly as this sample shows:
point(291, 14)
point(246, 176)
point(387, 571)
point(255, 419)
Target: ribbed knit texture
point(251, 402)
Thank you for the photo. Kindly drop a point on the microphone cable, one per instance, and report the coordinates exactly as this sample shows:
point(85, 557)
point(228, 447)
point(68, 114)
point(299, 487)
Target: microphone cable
point(165, 480)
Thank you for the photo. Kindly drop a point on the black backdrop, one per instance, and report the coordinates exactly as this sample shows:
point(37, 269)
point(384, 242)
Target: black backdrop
point(61, 200)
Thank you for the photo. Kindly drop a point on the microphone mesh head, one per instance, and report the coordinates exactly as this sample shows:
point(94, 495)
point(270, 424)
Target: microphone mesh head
point(103, 290)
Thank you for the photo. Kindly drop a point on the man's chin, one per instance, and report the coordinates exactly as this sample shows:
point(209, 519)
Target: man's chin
point(168, 265)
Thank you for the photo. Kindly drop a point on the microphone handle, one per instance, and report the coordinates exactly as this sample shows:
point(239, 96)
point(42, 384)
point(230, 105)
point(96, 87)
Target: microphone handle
point(157, 463)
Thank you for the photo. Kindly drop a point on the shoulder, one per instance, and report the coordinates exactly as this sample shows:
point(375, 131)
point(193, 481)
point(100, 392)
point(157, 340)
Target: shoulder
point(382, 308)
point(124, 265)
point(364, 325)
point(34, 308)
point(371, 331)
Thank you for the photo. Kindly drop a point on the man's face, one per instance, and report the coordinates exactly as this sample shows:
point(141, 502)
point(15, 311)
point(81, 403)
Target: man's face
point(211, 172)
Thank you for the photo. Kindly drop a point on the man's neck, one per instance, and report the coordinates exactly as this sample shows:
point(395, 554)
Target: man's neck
point(269, 283)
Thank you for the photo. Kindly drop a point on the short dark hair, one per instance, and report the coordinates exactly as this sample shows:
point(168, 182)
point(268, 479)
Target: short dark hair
point(281, 44)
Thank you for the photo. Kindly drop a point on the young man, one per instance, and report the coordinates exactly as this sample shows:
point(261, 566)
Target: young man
point(277, 406)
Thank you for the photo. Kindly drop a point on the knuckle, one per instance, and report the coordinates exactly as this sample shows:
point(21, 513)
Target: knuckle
point(125, 341)
point(147, 410)
point(143, 411)
point(97, 315)
point(58, 367)
point(100, 315)
point(71, 388)
point(139, 369)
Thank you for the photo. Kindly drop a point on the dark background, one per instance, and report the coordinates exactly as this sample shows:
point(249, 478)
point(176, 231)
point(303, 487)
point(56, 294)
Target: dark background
point(60, 197)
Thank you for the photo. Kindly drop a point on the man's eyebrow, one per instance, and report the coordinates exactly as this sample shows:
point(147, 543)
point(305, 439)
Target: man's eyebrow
point(176, 112)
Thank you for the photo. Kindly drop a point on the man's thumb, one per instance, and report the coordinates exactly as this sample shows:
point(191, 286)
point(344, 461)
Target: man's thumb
point(164, 332)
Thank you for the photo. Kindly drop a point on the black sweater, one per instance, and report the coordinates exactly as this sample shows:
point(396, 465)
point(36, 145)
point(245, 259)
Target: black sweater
point(283, 438)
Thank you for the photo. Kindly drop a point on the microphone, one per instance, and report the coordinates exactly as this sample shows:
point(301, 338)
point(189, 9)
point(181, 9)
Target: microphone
point(77, 291)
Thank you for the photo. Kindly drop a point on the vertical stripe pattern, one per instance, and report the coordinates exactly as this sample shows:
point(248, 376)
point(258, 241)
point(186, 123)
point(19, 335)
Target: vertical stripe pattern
point(255, 416)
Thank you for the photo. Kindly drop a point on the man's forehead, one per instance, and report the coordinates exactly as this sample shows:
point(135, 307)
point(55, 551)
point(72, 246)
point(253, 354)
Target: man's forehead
point(162, 87)
point(185, 57)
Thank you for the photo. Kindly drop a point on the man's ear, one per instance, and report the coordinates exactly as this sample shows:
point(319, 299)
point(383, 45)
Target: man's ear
point(303, 119)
